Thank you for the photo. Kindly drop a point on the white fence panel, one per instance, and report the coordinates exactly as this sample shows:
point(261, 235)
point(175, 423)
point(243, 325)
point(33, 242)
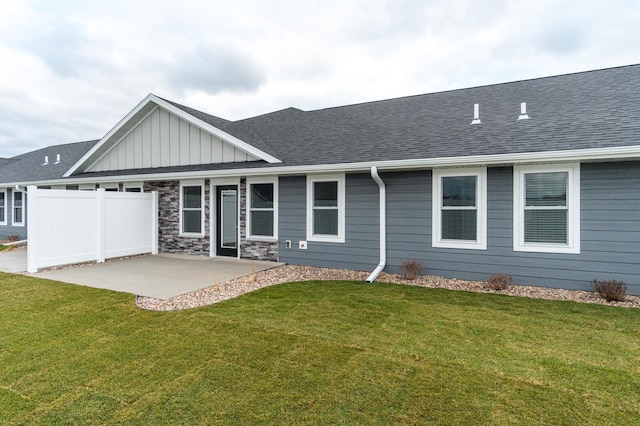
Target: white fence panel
point(128, 231)
point(65, 227)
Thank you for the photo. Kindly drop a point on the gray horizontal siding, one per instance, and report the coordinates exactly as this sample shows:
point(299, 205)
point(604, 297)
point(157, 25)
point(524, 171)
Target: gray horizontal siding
point(361, 248)
point(9, 228)
point(610, 230)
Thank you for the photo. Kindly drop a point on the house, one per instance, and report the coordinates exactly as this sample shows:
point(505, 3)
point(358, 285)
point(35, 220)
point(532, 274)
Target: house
point(537, 178)
point(41, 167)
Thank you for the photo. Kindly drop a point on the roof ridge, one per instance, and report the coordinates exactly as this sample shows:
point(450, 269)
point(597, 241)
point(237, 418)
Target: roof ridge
point(473, 87)
point(187, 108)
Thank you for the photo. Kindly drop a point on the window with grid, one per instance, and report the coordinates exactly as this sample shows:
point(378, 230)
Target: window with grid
point(459, 208)
point(326, 208)
point(547, 208)
point(192, 208)
point(3, 207)
point(18, 208)
point(261, 210)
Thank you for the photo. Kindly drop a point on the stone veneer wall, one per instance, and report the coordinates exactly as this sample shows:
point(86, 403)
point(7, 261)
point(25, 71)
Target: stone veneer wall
point(169, 239)
point(252, 249)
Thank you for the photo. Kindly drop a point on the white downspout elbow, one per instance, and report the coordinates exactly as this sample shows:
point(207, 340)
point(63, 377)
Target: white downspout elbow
point(383, 225)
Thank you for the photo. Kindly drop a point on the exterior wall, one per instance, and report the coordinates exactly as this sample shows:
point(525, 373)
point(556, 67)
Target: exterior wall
point(361, 248)
point(163, 139)
point(169, 239)
point(610, 230)
point(10, 229)
point(253, 249)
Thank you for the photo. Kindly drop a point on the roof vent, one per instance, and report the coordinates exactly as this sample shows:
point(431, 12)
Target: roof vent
point(46, 160)
point(57, 159)
point(476, 114)
point(523, 111)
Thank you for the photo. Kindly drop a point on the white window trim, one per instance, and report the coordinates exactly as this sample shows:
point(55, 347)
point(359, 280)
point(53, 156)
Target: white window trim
point(13, 199)
point(87, 187)
point(110, 186)
point(3, 218)
point(481, 207)
point(253, 181)
point(573, 206)
point(129, 185)
point(200, 183)
point(340, 178)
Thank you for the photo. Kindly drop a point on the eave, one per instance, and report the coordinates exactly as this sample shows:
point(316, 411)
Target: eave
point(141, 110)
point(626, 153)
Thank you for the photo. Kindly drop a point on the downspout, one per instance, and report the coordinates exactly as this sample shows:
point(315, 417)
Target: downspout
point(383, 225)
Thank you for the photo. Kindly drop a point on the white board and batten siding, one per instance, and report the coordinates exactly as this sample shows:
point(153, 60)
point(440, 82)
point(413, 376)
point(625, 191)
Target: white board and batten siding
point(163, 139)
point(66, 227)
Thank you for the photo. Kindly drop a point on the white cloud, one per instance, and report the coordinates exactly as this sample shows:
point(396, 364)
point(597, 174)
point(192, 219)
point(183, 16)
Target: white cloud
point(72, 69)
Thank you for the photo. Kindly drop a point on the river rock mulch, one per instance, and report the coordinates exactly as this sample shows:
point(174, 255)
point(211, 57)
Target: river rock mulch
point(218, 292)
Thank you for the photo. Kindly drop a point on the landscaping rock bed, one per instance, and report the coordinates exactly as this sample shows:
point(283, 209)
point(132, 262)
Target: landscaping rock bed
point(290, 273)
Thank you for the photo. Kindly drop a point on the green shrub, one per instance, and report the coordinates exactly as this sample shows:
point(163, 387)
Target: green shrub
point(611, 290)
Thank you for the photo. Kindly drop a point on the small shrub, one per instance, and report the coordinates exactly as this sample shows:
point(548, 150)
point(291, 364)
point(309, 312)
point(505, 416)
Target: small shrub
point(13, 238)
point(499, 282)
point(611, 290)
point(411, 269)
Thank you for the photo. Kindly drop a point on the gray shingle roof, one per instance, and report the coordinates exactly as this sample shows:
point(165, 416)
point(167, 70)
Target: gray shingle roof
point(593, 109)
point(242, 132)
point(28, 167)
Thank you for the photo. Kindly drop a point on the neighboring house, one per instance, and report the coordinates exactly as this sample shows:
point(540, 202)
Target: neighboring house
point(537, 178)
point(38, 167)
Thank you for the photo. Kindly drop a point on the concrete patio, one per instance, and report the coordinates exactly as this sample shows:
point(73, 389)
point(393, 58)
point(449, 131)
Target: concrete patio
point(14, 261)
point(161, 276)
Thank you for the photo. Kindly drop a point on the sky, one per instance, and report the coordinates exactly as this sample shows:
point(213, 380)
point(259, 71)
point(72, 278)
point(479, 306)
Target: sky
point(71, 70)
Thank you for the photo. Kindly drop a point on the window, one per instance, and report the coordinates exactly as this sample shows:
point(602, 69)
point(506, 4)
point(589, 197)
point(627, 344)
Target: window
point(547, 208)
point(133, 187)
point(262, 202)
point(3, 206)
point(110, 187)
point(192, 208)
point(326, 208)
point(18, 208)
point(87, 187)
point(459, 217)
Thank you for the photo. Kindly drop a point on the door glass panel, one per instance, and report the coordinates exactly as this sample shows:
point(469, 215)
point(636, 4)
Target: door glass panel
point(229, 218)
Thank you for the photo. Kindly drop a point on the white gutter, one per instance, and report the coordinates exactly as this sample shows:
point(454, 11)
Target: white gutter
point(383, 225)
point(590, 154)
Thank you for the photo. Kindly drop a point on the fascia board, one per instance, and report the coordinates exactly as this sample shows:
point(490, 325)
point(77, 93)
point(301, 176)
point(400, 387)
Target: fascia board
point(226, 137)
point(105, 138)
point(592, 154)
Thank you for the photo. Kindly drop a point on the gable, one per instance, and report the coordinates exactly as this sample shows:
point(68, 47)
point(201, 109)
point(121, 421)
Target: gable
point(163, 139)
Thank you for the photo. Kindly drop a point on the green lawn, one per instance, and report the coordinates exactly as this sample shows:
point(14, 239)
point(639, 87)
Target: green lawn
point(314, 353)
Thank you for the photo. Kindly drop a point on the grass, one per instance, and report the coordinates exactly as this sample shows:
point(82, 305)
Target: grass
point(314, 353)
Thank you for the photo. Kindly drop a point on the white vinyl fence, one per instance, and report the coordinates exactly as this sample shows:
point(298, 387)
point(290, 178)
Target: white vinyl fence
point(65, 226)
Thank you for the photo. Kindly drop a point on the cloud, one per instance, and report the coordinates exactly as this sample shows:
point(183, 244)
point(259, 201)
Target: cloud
point(62, 45)
point(72, 69)
point(213, 69)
